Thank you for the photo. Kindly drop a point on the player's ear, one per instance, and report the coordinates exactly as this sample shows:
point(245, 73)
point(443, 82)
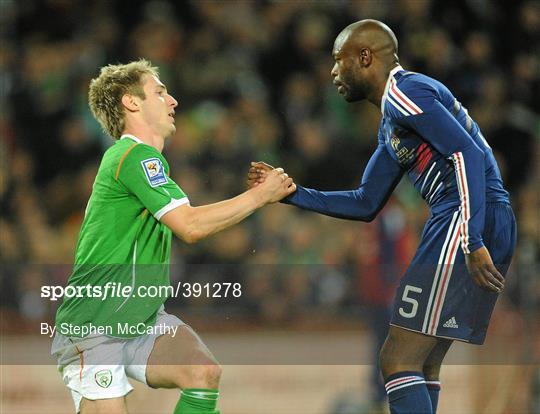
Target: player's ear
point(130, 102)
point(366, 56)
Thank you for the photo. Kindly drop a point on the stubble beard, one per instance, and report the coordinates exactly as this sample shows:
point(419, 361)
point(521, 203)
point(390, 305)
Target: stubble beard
point(357, 88)
point(358, 91)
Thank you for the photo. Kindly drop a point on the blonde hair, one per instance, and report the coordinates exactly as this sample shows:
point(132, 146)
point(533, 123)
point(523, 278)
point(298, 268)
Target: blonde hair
point(106, 92)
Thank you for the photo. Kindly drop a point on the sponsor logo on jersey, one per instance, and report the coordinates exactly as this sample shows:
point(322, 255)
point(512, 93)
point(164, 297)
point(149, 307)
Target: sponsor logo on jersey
point(154, 171)
point(451, 323)
point(103, 378)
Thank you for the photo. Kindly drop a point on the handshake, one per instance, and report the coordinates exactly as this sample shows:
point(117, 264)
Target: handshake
point(272, 184)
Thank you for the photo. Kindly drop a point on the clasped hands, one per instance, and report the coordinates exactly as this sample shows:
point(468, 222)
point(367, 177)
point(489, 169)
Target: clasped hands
point(274, 183)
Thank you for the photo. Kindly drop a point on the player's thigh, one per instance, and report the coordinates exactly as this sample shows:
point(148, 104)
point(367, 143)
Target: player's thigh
point(500, 239)
point(405, 349)
point(102, 387)
point(432, 365)
point(105, 406)
point(182, 360)
point(435, 296)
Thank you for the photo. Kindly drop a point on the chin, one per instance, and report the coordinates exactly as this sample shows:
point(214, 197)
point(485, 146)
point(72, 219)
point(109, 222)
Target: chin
point(167, 136)
point(351, 98)
point(354, 97)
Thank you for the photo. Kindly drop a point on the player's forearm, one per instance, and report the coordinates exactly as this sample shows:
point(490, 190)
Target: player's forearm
point(470, 177)
point(351, 205)
point(379, 180)
point(196, 223)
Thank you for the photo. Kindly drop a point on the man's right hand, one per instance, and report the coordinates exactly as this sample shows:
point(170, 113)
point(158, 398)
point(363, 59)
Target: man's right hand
point(275, 186)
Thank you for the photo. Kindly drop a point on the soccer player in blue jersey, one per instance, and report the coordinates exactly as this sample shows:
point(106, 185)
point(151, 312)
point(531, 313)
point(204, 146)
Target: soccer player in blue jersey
point(450, 288)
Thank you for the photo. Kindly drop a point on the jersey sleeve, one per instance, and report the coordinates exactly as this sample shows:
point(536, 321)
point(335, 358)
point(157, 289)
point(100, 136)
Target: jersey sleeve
point(380, 177)
point(144, 173)
point(419, 108)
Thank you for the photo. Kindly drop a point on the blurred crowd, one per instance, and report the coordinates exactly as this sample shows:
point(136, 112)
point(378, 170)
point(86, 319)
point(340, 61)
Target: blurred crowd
point(253, 83)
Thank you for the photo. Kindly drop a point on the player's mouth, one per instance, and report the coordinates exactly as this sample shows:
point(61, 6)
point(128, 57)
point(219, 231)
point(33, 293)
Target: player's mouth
point(171, 114)
point(340, 87)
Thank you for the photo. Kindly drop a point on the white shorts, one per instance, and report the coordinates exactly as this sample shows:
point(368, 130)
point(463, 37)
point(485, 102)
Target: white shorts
point(98, 367)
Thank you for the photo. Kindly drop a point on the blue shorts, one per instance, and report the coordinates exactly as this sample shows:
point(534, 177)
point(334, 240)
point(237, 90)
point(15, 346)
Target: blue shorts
point(437, 296)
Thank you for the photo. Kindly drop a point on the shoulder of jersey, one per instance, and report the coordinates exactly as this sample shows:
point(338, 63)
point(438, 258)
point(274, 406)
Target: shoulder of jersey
point(398, 101)
point(136, 154)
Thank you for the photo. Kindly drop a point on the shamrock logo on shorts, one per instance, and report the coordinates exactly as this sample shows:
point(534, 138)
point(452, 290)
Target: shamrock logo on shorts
point(103, 378)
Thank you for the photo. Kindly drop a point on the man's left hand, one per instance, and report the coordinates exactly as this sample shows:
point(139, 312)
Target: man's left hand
point(483, 271)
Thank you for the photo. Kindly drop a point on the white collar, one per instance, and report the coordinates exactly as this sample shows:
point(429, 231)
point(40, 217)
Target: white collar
point(133, 137)
point(390, 75)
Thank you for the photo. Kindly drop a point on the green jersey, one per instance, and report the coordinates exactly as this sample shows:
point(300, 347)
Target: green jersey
point(123, 249)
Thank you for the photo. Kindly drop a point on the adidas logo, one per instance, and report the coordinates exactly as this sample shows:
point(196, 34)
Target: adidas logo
point(451, 323)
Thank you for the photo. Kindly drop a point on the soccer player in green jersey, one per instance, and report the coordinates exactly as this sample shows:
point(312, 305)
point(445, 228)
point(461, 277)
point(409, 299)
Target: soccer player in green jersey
point(125, 241)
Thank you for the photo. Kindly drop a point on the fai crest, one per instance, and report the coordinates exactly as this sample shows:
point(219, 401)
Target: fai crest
point(103, 378)
point(154, 171)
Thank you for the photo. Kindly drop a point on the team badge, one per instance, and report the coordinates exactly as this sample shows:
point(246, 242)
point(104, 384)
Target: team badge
point(394, 141)
point(103, 378)
point(154, 171)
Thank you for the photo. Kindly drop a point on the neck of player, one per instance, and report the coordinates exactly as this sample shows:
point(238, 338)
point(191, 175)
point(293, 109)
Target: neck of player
point(376, 96)
point(379, 84)
point(147, 136)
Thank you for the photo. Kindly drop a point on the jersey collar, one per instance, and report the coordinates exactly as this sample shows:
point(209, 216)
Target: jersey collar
point(390, 75)
point(133, 137)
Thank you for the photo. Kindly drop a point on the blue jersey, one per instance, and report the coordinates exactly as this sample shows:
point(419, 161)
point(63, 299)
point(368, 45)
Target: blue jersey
point(426, 133)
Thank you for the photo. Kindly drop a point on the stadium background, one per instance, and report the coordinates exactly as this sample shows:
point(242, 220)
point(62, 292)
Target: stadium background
point(253, 82)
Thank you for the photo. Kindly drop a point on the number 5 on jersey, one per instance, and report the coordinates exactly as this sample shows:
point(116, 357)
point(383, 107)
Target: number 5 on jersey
point(406, 298)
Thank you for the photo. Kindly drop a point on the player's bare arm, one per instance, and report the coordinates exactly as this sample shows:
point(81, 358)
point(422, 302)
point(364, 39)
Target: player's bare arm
point(192, 224)
point(133, 107)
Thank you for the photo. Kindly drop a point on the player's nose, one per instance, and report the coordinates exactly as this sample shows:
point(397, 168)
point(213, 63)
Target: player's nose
point(173, 102)
point(333, 72)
